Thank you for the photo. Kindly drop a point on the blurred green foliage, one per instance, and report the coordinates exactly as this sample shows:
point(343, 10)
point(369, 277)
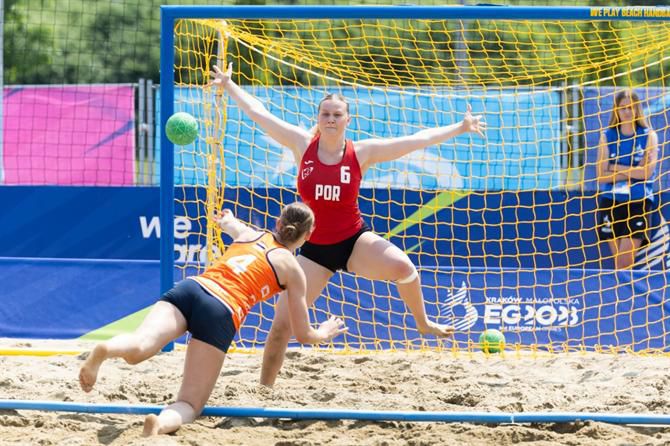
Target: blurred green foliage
point(117, 41)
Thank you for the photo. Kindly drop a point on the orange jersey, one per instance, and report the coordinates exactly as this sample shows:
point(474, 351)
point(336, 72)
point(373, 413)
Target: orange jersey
point(243, 276)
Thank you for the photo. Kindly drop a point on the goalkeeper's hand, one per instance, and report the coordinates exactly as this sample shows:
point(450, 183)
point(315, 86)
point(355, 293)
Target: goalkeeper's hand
point(221, 78)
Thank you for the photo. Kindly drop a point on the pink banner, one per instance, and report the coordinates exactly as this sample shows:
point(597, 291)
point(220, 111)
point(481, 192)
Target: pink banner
point(80, 135)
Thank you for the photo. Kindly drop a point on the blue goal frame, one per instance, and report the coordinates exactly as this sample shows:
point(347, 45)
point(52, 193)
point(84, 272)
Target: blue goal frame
point(169, 14)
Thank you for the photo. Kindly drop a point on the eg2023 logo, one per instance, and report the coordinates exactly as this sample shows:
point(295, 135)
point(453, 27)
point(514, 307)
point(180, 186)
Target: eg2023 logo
point(512, 313)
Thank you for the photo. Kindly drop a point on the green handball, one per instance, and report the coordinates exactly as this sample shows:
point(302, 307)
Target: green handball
point(181, 129)
point(492, 341)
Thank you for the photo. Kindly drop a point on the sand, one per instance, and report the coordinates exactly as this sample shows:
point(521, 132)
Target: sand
point(377, 381)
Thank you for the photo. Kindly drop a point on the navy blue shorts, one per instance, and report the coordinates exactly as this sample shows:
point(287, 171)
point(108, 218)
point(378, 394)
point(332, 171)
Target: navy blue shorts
point(335, 256)
point(624, 219)
point(207, 318)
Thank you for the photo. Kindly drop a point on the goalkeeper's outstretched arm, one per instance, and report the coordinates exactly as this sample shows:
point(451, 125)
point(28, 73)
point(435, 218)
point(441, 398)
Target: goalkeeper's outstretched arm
point(285, 133)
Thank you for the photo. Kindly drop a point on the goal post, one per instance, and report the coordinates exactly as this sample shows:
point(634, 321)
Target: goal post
point(504, 229)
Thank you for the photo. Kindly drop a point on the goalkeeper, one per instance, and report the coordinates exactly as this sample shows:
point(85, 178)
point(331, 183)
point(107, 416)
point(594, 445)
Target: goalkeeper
point(330, 168)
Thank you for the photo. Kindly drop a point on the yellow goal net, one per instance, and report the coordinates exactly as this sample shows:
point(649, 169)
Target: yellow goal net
point(508, 231)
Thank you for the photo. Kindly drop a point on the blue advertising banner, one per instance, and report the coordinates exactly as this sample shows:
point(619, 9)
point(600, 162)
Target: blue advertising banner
point(79, 222)
point(547, 308)
point(558, 308)
point(598, 103)
point(562, 308)
point(66, 299)
point(523, 269)
point(521, 149)
point(479, 230)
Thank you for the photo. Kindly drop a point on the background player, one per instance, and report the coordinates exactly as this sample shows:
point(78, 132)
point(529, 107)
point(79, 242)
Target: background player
point(627, 158)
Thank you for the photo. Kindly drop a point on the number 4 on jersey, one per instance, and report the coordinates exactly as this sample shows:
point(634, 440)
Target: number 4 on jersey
point(239, 264)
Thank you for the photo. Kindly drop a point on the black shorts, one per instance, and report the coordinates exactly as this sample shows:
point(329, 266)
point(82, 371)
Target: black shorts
point(207, 318)
point(335, 256)
point(624, 219)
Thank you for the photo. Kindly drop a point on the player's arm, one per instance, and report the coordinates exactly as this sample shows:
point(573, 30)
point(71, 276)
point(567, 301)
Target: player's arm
point(295, 138)
point(371, 151)
point(646, 169)
point(232, 226)
point(292, 277)
point(603, 170)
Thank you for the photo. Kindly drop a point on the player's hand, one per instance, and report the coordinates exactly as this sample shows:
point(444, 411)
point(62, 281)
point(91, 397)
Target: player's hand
point(473, 124)
point(220, 79)
point(331, 328)
point(223, 218)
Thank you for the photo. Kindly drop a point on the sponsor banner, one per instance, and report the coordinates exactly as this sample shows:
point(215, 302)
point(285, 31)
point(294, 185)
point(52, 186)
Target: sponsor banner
point(480, 230)
point(79, 222)
point(69, 135)
point(556, 309)
point(123, 223)
point(559, 307)
point(65, 299)
point(521, 149)
point(598, 103)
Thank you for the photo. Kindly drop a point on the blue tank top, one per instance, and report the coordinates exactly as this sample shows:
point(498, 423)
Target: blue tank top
point(627, 150)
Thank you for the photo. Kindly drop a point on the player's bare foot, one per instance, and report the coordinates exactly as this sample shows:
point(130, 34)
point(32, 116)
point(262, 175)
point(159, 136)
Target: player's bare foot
point(88, 374)
point(151, 425)
point(439, 330)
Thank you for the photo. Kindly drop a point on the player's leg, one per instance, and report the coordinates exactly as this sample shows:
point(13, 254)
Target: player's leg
point(625, 252)
point(163, 323)
point(631, 231)
point(201, 370)
point(614, 249)
point(378, 259)
point(280, 332)
point(605, 226)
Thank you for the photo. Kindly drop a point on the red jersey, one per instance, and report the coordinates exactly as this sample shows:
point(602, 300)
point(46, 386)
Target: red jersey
point(243, 276)
point(331, 191)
